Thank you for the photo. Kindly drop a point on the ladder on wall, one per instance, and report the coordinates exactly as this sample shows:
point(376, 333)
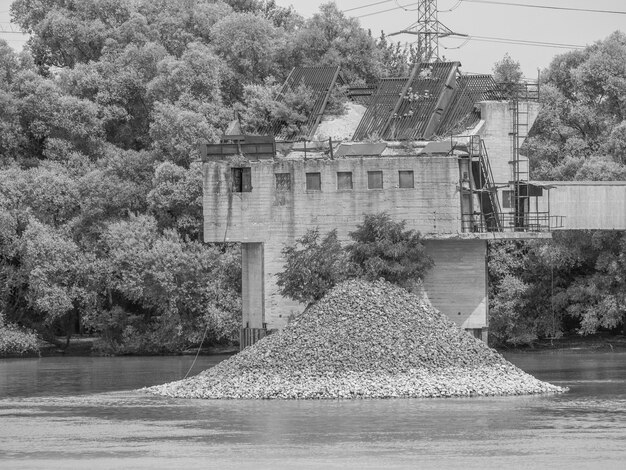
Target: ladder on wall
point(520, 170)
point(485, 188)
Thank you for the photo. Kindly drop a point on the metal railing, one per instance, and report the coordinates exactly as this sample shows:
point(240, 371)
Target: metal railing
point(529, 222)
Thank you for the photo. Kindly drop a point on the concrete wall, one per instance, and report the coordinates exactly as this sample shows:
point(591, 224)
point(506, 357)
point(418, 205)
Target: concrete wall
point(252, 285)
point(589, 205)
point(276, 218)
point(457, 285)
point(432, 206)
point(496, 132)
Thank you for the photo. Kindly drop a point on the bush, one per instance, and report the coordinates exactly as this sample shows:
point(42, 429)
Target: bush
point(382, 248)
point(313, 267)
point(15, 341)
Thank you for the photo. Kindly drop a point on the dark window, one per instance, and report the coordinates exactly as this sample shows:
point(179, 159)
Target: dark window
point(283, 181)
point(313, 182)
point(405, 179)
point(344, 180)
point(507, 199)
point(374, 180)
point(242, 180)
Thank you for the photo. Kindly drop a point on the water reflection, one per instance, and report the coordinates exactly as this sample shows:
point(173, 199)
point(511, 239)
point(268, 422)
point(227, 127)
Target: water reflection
point(55, 415)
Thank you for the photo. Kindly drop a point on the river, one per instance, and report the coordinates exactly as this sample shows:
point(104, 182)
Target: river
point(86, 413)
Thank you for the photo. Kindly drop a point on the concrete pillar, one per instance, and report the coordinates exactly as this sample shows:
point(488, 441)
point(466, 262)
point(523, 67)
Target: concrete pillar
point(252, 285)
point(457, 284)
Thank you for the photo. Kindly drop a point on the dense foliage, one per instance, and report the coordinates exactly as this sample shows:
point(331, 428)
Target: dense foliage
point(574, 283)
point(15, 341)
point(100, 189)
point(380, 248)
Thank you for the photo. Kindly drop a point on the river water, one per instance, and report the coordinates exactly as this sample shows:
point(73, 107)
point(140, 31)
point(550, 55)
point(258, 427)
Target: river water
point(86, 413)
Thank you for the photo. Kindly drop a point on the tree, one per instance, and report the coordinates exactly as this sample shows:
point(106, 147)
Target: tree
point(331, 38)
point(583, 108)
point(508, 73)
point(313, 266)
point(383, 248)
point(287, 116)
point(176, 199)
point(65, 33)
point(163, 291)
point(250, 45)
point(58, 275)
point(380, 248)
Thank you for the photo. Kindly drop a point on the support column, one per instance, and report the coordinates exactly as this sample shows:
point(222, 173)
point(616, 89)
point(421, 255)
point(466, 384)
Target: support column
point(252, 294)
point(457, 284)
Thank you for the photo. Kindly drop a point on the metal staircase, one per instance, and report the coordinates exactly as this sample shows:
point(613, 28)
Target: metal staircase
point(484, 186)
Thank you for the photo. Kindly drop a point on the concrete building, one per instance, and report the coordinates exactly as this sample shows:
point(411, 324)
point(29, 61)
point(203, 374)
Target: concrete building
point(437, 149)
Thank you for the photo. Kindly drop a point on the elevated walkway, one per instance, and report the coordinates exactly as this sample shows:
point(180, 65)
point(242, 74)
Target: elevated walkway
point(587, 205)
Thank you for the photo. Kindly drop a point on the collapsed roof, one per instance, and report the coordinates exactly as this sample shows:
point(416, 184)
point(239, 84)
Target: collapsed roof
point(434, 101)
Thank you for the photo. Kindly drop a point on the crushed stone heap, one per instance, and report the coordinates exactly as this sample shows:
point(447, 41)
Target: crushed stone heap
point(363, 340)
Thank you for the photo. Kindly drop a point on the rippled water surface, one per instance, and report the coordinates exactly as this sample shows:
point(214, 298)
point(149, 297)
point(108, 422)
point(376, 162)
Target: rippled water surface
point(85, 413)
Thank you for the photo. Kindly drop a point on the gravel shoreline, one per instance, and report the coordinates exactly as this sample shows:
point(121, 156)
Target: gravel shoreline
point(362, 340)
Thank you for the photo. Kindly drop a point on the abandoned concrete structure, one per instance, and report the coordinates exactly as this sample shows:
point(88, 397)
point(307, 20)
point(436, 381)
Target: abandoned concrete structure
point(438, 149)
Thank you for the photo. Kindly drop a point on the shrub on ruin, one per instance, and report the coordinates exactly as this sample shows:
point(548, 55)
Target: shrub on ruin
point(381, 248)
point(313, 266)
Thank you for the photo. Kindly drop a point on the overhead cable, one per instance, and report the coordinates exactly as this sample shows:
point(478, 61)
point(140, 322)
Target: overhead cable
point(547, 7)
point(368, 5)
point(524, 42)
point(388, 9)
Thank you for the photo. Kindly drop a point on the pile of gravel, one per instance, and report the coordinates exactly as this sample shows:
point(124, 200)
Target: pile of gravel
point(363, 340)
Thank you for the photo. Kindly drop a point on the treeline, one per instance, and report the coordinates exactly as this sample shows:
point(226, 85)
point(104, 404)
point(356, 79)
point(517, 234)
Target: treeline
point(100, 187)
point(575, 283)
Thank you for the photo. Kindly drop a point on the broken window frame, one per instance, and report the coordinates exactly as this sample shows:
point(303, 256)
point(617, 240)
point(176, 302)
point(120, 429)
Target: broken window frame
point(375, 179)
point(314, 181)
point(282, 181)
point(404, 183)
point(241, 179)
point(344, 181)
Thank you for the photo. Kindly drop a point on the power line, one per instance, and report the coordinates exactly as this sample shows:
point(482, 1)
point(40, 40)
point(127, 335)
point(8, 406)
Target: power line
point(368, 5)
point(388, 9)
point(547, 7)
point(524, 42)
point(404, 7)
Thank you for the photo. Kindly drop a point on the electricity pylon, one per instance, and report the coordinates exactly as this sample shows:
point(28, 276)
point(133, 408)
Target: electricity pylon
point(428, 29)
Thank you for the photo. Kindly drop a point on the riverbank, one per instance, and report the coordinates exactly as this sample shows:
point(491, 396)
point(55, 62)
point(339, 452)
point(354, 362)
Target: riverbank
point(600, 342)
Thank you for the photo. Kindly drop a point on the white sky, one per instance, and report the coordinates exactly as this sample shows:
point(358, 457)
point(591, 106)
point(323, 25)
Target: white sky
point(475, 19)
point(489, 20)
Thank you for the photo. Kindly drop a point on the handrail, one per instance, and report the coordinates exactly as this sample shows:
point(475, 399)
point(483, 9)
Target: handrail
point(532, 222)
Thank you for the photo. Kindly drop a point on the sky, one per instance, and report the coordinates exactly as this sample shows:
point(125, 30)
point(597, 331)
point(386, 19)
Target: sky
point(484, 18)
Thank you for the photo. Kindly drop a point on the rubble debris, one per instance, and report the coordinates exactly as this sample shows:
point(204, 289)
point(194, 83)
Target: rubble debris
point(363, 340)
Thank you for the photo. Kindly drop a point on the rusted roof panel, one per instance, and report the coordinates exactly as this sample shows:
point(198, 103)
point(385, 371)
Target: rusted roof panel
point(321, 81)
point(382, 104)
point(461, 113)
point(425, 102)
point(410, 108)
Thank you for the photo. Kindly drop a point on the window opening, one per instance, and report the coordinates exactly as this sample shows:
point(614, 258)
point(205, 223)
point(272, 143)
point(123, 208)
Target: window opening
point(374, 180)
point(507, 199)
point(313, 182)
point(283, 181)
point(242, 180)
point(406, 179)
point(344, 180)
